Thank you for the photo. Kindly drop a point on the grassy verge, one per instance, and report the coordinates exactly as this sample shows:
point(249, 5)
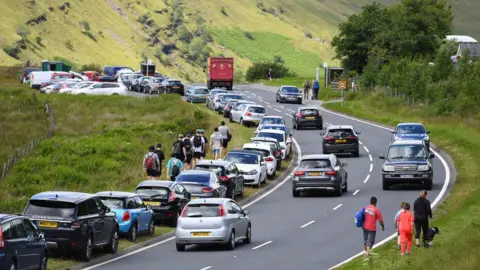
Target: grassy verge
point(458, 217)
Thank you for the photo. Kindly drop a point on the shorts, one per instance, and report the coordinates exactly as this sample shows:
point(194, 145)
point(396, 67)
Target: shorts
point(152, 172)
point(216, 151)
point(188, 160)
point(172, 178)
point(159, 173)
point(369, 238)
point(181, 157)
point(197, 155)
point(225, 143)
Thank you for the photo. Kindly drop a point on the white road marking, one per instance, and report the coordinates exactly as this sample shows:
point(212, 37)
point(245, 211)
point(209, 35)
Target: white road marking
point(361, 143)
point(291, 110)
point(281, 106)
point(366, 179)
point(206, 268)
point(277, 110)
point(248, 96)
point(371, 167)
point(264, 244)
point(356, 191)
point(370, 157)
point(336, 207)
point(269, 106)
point(366, 149)
point(306, 224)
point(267, 103)
point(288, 114)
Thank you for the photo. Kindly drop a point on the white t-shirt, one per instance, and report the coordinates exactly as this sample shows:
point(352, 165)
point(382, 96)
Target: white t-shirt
point(197, 149)
point(223, 130)
point(216, 139)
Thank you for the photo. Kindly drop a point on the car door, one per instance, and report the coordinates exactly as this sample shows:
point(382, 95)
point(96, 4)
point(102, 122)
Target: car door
point(109, 219)
point(19, 240)
point(35, 245)
point(233, 218)
point(342, 171)
point(263, 167)
point(96, 222)
point(235, 112)
point(143, 215)
point(233, 173)
point(185, 196)
point(215, 183)
point(243, 221)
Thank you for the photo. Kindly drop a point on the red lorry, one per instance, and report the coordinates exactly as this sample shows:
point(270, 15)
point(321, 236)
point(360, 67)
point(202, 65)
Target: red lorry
point(220, 72)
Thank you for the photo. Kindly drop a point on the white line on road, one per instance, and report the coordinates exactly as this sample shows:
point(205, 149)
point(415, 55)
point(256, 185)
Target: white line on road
point(269, 106)
point(290, 110)
point(356, 191)
point(306, 224)
point(336, 207)
point(277, 110)
point(264, 244)
point(361, 143)
point(366, 149)
point(288, 114)
point(267, 103)
point(281, 107)
point(206, 268)
point(371, 167)
point(370, 157)
point(366, 179)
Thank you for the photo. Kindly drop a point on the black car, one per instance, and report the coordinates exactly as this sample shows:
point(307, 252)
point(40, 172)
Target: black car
point(229, 175)
point(341, 139)
point(407, 162)
point(173, 86)
point(74, 222)
point(22, 245)
point(307, 117)
point(167, 199)
point(107, 79)
point(288, 93)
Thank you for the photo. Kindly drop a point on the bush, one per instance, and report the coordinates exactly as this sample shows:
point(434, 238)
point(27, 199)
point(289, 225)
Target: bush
point(12, 51)
point(248, 35)
point(39, 41)
point(184, 34)
point(259, 71)
point(223, 11)
point(69, 45)
point(85, 26)
point(92, 67)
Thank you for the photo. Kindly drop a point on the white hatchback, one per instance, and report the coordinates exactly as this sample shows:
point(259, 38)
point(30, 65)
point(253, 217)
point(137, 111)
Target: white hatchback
point(248, 114)
point(268, 156)
point(251, 164)
point(105, 88)
point(282, 138)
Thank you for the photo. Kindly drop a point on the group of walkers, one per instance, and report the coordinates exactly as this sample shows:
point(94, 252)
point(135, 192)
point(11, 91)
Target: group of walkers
point(407, 224)
point(187, 151)
point(314, 85)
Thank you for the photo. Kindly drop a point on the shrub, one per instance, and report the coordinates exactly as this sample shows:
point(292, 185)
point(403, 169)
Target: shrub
point(308, 34)
point(248, 35)
point(69, 45)
point(259, 71)
point(223, 11)
point(85, 26)
point(184, 34)
point(39, 41)
point(11, 51)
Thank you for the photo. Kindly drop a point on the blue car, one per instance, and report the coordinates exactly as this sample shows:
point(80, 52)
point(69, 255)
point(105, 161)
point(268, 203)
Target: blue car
point(134, 217)
point(411, 131)
point(197, 94)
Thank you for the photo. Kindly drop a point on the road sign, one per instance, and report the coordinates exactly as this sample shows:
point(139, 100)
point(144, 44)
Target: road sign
point(342, 85)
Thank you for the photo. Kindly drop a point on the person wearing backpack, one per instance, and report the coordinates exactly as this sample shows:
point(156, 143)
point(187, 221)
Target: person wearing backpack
point(179, 148)
point(371, 216)
point(226, 137)
point(189, 151)
point(161, 158)
point(151, 163)
point(316, 89)
point(174, 167)
point(205, 149)
point(306, 89)
point(198, 143)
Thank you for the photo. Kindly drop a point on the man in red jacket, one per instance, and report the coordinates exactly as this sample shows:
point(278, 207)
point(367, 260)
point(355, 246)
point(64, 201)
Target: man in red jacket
point(372, 214)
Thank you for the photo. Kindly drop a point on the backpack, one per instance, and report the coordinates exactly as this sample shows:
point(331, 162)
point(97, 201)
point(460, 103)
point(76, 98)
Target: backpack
point(229, 136)
point(175, 168)
point(197, 141)
point(316, 85)
point(149, 162)
point(188, 145)
point(360, 217)
point(177, 148)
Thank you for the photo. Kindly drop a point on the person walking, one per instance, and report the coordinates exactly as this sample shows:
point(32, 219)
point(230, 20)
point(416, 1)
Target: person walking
point(215, 143)
point(423, 211)
point(395, 223)
point(174, 167)
point(179, 148)
point(316, 89)
point(306, 89)
point(205, 149)
point(198, 146)
point(270, 74)
point(226, 137)
point(372, 215)
point(161, 158)
point(405, 227)
point(187, 143)
point(151, 163)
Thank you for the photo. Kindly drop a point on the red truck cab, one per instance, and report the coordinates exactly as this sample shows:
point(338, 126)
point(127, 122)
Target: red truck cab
point(92, 75)
point(220, 72)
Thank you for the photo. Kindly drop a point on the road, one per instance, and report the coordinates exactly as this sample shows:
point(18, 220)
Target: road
point(314, 232)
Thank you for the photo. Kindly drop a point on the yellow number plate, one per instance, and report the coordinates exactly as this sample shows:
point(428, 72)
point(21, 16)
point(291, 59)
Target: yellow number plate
point(200, 234)
point(48, 224)
point(314, 174)
point(194, 198)
point(310, 117)
point(152, 203)
point(340, 141)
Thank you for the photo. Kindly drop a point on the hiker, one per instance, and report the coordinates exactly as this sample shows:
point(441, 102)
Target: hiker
point(151, 163)
point(306, 89)
point(188, 150)
point(205, 149)
point(161, 158)
point(316, 89)
point(423, 211)
point(354, 86)
point(405, 227)
point(372, 214)
point(198, 144)
point(226, 137)
point(270, 74)
point(395, 223)
point(216, 142)
point(174, 167)
point(179, 148)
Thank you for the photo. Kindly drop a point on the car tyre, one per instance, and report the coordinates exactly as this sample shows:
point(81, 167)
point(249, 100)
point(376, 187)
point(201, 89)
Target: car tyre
point(43, 261)
point(357, 153)
point(151, 227)
point(385, 185)
point(112, 245)
point(133, 232)
point(173, 223)
point(259, 182)
point(86, 254)
point(338, 191)
point(13, 266)
point(299, 101)
point(345, 188)
point(248, 235)
point(231, 241)
point(180, 247)
point(232, 193)
point(271, 177)
point(428, 184)
point(295, 193)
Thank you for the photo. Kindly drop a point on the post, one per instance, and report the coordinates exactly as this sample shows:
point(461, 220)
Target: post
point(342, 96)
point(318, 74)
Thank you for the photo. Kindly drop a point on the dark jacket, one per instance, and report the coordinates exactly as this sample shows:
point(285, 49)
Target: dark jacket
point(422, 209)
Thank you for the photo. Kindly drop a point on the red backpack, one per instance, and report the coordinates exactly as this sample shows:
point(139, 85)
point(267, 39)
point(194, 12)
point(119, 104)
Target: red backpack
point(149, 162)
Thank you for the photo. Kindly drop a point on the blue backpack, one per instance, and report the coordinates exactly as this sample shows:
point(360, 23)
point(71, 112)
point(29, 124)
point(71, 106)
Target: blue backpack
point(359, 217)
point(316, 85)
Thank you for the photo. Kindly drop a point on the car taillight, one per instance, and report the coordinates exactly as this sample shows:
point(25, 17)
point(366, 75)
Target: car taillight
point(265, 115)
point(248, 114)
point(299, 115)
point(299, 173)
point(328, 138)
point(278, 152)
point(126, 216)
point(222, 210)
point(172, 197)
point(331, 173)
point(227, 107)
point(207, 190)
point(268, 159)
point(224, 178)
point(75, 225)
point(183, 211)
point(352, 137)
point(2, 241)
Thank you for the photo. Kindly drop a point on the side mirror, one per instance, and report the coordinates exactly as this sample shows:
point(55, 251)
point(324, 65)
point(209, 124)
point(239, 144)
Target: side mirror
point(296, 165)
point(149, 207)
point(188, 195)
point(322, 133)
point(358, 132)
point(244, 212)
point(262, 163)
point(431, 155)
point(381, 157)
point(428, 131)
point(393, 132)
point(40, 236)
point(344, 165)
point(107, 210)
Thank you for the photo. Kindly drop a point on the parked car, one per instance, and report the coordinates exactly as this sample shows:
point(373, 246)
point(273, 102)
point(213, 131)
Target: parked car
point(74, 222)
point(173, 86)
point(411, 131)
point(92, 75)
point(26, 72)
point(197, 94)
point(213, 221)
point(107, 79)
point(267, 152)
point(202, 184)
point(223, 100)
point(134, 217)
point(131, 81)
point(112, 70)
point(287, 93)
point(79, 85)
point(407, 162)
point(278, 127)
point(270, 120)
point(307, 117)
point(22, 245)
point(211, 96)
point(341, 139)
point(250, 164)
point(237, 105)
point(166, 198)
point(283, 138)
point(317, 172)
point(102, 89)
point(248, 114)
point(228, 174)
point(277, 152)
point(142, 83)
point(228, 107)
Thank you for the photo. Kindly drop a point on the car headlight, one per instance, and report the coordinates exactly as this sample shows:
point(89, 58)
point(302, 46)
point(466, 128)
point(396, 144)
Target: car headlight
point(423, 168)
point(388, 168)
point(397, 138)
point(253, 172)
point(426, 138)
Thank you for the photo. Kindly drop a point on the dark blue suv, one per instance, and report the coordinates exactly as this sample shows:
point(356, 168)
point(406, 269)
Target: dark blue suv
point(22, 246)
point(411, 131)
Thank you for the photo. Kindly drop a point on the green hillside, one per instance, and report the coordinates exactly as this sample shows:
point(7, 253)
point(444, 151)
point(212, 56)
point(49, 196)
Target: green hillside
point(179, 35)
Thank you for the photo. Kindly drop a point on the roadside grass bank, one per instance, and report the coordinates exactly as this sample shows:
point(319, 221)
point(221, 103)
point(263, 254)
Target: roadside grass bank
point(456, 247)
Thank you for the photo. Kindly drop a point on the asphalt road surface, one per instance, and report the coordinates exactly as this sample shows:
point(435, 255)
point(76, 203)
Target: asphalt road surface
point(308, 233)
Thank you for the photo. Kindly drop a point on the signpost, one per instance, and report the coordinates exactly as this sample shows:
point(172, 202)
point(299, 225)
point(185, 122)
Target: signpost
point(342, 85)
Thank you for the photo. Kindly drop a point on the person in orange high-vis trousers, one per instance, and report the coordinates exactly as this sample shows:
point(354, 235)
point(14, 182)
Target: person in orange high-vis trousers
point(405, 223)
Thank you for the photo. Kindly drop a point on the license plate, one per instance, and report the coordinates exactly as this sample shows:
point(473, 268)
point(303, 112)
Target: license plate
point(200, 234)
point(310, 117)
point(152, 203)
point(315, 174)
point(202, 97)
point(48, 224)
point(194, 198)
point(406, 176)
point(256, 121)
point(175, 87)
point(340, 141)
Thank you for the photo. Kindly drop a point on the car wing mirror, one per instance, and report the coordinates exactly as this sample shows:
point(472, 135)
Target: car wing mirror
point(431, 155)
point(244, 212)
point(381, 157)
point(40, 236)
point(344, 165)
point(149, 207)
point(428, 131)
point(358, 132)
point(322, 133)
point(393, 132)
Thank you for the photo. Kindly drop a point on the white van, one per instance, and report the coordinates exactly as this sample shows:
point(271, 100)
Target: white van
point(39, 77)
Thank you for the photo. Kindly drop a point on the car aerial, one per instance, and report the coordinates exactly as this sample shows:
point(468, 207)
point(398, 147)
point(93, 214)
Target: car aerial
point(74, 222)
point(277, 148)
point(134, 217)
point(407, 162)
point(228, 174)
point(211, 96)
point(22, 245)
point(213, 221)
point(250, 164)
point(248, 114)
point(320, 172)
point(411, 131)
point(223, 100)
point(267, 152)
point(202, 184)
point(197, 94)
point(166, 198)
point(228, 107)
point(288, 93)
point(102, 88)
point(270, 119)
point(282, 138)
point(340, 139)
point(173, 86)
point(307, 117)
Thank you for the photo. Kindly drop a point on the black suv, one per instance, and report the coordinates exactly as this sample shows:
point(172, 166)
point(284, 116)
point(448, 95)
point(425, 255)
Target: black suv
point(307, 117)
point(407, 162)
point(22, 246)
point(341, 139)
point(74, 222)
point(229, 175)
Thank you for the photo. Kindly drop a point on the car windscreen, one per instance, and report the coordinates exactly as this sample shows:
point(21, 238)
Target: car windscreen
point(202, 210)
point(175, 83)
point(282, 128)
point(406, 152)
point(273, 121)
point(158, 192)
point(50, 208)
point(242, 158)
point(315, 164)
point(309, 112)
point(277, 136)
point(201, 91)
point(410, 129)
point(114, 203)
point(265, 153)
point(201, 178)
point(228, 97)
point(212, 168)
point(216, 92)
point(290, 90)
point(256, 109)
point(340, 132)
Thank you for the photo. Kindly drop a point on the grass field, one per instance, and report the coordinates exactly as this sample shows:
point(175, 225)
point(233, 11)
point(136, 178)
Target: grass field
point(458, 217)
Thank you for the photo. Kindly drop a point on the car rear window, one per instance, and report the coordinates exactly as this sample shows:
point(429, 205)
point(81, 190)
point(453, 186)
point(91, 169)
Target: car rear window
point(50, 208)
point(114, 203)
point(315, 164)
point(160, 192)
point(175, 82)
point(340, 132)
point(228, 97)
point(282, 128)
point(273, 121)
point(276, 136)
point(201, 91)
point(202, 210)
point(309, 112)
point(211, 168)
point(256, 110)
point(265, 153)
point(242, 158)
point(194, 177)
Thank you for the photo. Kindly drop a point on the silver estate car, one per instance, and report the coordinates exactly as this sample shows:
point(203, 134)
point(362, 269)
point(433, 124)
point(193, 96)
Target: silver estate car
point(248, 114)
point(212, 221)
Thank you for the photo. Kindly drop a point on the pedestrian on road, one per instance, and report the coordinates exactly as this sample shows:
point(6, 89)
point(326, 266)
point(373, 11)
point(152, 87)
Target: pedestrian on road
point(174, 167)
point(316, 89)
point(423, 212)
point(395, 223)
point(372, 214)
point(205, 149)
point(306, 89)
point(270, 74)
point(189, 151)
point(405, 226)
point(198, 145)
point(151, 163)
point(226, 137)
point(215, 143)
point(179, 148)
point(161, 158)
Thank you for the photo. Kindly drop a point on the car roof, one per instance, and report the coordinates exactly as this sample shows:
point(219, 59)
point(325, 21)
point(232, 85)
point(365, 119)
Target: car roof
point(274, 125)
point(257, 145)
point(63, 196)
point(316, 156)
point(341, 127)
point(116, 194)
point(255, 105)
point(244, 152)
point(202, 172)
point(410, 124)
point(209, 200)
point(273, 131)
point(307, 108)
point(268, 139)
point(408, 142)
point(156, 183)
point(214, 162)
point(4, 217)
point(272, 116)
point(288, 86)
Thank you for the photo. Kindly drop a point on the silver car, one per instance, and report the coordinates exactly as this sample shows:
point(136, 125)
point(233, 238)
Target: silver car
point(212, 95)
point(221, 100)
point(213, 221)
point(248, 114)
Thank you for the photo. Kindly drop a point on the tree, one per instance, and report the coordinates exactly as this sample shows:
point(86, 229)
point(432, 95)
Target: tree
point(184, 34)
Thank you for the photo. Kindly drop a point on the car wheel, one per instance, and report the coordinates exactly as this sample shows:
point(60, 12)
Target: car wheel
point(231, 241)
point(298, 127)
point(113, 244)
point(271, 177)
point(385, 185)
point(428, 184)
point(151, 227)
point(299, 101)
point(338, 191)
point(180, 247)
point(248, 235)
point(43, 261)
point(259, 181)
point(87, 250)
point(231, 119)
point(243, 190)
point(132, 233)
point(13, 266)
point(324, 150)
point(173, 223)
point(357, 153)
point(232, 193)
point(295, 193)
point(345, 188)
